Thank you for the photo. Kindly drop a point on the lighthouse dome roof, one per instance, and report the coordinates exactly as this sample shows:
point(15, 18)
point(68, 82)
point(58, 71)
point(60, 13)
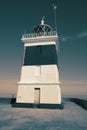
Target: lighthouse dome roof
point(42, 28)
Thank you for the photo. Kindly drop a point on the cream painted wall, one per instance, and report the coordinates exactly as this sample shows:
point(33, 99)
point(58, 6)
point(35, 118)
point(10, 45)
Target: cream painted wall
point(47, 74)
point(25, 93)
point(49, 94)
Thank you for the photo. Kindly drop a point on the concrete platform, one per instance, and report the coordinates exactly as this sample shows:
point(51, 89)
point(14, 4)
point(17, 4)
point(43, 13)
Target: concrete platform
point(72, 117)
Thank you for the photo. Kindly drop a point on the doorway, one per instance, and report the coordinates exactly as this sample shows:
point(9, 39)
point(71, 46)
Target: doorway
point(37, 96)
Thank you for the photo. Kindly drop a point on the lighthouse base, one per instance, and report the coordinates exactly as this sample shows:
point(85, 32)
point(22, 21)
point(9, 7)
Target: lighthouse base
point(39, 94)
point(39, 106)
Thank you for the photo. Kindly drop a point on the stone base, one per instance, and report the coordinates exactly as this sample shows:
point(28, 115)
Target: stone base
point(44, 106)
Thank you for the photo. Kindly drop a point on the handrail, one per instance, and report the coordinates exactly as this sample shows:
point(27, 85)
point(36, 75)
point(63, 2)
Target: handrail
point(40, 34)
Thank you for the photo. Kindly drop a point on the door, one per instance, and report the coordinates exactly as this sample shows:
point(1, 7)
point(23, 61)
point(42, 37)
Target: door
point(36, 95)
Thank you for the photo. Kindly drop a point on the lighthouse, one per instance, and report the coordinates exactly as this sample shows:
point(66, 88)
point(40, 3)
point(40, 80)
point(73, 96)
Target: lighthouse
point(39, 84)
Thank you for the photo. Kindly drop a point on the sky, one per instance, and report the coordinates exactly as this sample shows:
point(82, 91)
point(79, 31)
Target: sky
point(18, 17)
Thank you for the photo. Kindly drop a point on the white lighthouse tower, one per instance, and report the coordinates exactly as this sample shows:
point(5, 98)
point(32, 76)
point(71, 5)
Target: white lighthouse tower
point(39, 84)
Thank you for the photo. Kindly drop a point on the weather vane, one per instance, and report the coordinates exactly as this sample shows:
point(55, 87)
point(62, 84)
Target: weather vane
point(55, 7)
point(43, 17)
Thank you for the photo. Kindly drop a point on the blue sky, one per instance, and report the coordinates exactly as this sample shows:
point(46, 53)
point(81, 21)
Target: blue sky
point(17, 16)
